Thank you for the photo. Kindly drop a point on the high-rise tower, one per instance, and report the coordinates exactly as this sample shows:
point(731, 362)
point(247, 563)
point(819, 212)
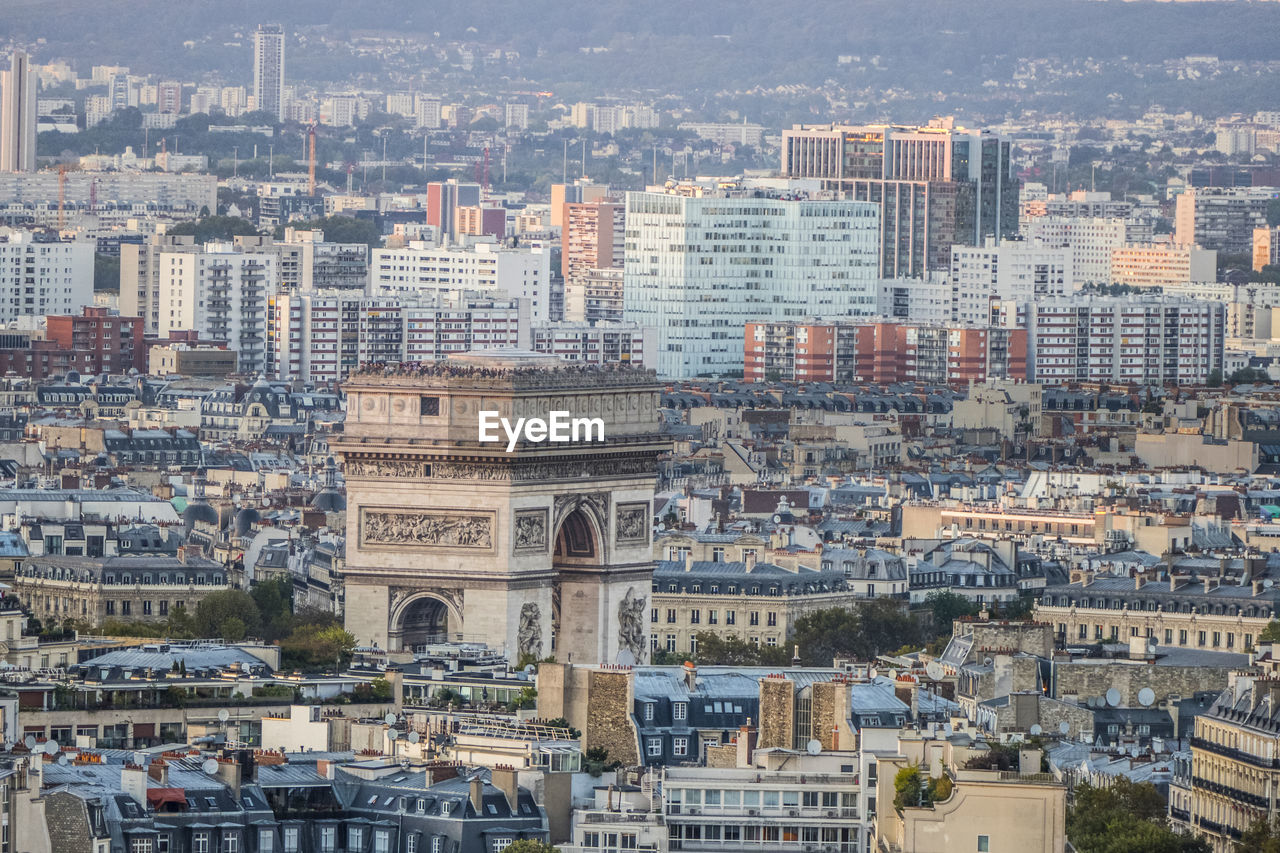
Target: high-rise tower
point(268, 69)
point(18, 116)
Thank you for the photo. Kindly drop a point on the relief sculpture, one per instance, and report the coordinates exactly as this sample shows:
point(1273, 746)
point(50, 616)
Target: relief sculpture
point(632, 631)
point(393, 527)
point(531, 531)
point(633, 523)
point(529, 634)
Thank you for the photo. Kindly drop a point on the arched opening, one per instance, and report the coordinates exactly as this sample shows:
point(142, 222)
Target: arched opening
point(576, 539)
point(423, 622)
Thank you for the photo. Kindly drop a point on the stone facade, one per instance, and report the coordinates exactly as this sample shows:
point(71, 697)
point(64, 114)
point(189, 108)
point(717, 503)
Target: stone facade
point(777, 712)
point(1086, 680)
point(535, 552)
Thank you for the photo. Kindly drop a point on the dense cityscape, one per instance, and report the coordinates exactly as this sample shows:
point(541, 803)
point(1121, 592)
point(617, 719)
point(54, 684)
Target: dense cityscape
point(624, 428)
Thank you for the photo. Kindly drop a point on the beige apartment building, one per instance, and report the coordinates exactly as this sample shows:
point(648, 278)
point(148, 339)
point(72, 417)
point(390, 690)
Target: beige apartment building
point(987, 811)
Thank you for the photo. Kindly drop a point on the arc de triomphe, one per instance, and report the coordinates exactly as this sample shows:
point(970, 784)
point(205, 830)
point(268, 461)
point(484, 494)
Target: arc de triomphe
point(544, 550)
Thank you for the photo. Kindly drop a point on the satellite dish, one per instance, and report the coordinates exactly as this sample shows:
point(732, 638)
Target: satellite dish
point(934, 670)
point(414, 737)
point(30, 741)
point(1268, 583)
point(662, 527)
point(210, 766)
point(393, 735)
point(814, 746)
point(62, 759)
point(389, 719)
point(987, 661)
point(777, 519)
point(52, 747)
point(224, 715)
point(1064, 727)
point(1036, 730)
point(626, 657)
point(1113, 697)
point(1146, 696)
point(530, 669)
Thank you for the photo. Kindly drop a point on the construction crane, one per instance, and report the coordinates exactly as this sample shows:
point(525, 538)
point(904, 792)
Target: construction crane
point(311, 160)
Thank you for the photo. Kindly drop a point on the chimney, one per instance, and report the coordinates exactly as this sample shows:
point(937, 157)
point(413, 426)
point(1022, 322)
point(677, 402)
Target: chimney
point(229, 775)
point(688, 560)
point(1209, 584)
point(159, 771)
point(749, 560)
point(746, 744)
point(133, 781)
point(1173, 582)
point(1257, 587)
point(690, 675)
point(324, 767)
point(477, 794)
point(1086, 579)
point(504, 779)
point(1139, 580)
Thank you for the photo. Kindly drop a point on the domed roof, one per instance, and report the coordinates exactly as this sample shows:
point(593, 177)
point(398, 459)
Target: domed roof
point(200, 511)
point(245, 519)
point(329, 500)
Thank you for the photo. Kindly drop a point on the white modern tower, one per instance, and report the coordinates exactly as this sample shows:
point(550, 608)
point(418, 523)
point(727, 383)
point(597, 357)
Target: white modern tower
point(18, 115)
point(268, 69)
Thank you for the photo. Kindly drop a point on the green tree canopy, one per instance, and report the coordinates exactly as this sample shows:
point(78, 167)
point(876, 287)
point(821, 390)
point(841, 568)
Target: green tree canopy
point(317, 647)
point(1128, 817)
point(214, 228)
point(227, 610)
point(872, 628)
point(1262, 837)
point(340, 229)
point(274, 599)
point(731, 651)
point(528, 845)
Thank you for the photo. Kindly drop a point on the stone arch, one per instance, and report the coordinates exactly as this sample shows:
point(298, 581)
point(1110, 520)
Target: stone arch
point(423, 618)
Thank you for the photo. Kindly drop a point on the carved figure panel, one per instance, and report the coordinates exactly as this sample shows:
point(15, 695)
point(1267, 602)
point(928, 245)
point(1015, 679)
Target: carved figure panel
point(632, 523)
point(530, 533)
point(632, 631)
point(383, 527)
point(529, 633)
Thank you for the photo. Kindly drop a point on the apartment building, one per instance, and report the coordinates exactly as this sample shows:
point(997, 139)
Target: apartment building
point(934, 186)
point(1163, 266)
point(323, 335)
point(699, 269)
point(115, 343)
point(1266, 247)
point(1142, 340)
point(40, 275)
point(221, 294)
point(600, 343)
point(883, 352)
point(596, 297)
point(1222, 218)
point(1010, 270)
point(592, 240)
point(421, 269)
point(1091, 240)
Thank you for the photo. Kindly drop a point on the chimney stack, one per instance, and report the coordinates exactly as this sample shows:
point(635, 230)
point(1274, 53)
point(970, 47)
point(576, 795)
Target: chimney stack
point(505, 780)
point(159, 771)
point(477, 794)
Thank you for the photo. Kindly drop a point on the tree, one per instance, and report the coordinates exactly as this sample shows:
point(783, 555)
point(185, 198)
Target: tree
point(731, 651)
point(215, 228)
point(215, 614)
point(1271, 633)
point(1248, 375)
point(1128, 817)
point(340, 229)
point(106, 272)
point(317, 647)
point(909, 788)
point(274, 599)
point(948, 606)
point(1262, 837)
point(529, 845)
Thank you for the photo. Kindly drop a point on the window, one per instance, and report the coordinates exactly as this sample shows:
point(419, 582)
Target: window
point(671, 642)
point(712, 617)
point(680, 711)
point(200, 843)
point(730, 617)
point(230, 842)
point(162, 843)
point(327, 836)
point(648, 710)
point(695, 617)
point(772, 619)
point(680, 746)
point(654, 747)
point(411, 843)
point(355, 837)
point(290, 839)
point(671, 615)
point(590, 839)
point(984, 844)
point(382, 841)
point(266, 840)
point(754, 618)
point(140, 845)
point(437, 843)
point(500, 844)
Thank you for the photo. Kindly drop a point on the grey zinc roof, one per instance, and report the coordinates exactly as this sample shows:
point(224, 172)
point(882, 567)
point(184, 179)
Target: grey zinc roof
point(161, 657)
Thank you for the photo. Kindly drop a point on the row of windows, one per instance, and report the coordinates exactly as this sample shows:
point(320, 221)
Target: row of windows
point(1204, 639)
point(713, 617)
